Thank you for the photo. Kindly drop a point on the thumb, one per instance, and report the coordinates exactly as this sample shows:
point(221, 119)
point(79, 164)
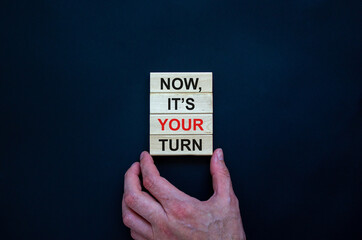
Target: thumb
point(221, 180)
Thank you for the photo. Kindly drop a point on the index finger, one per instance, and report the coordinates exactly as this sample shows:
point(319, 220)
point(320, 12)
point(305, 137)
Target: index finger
point(158, 186)
point(139, 201)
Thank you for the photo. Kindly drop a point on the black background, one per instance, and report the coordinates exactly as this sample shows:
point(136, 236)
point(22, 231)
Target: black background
point(74, 87)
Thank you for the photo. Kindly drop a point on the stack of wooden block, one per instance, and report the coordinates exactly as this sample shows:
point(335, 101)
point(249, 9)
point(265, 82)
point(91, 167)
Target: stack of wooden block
point(181, 121)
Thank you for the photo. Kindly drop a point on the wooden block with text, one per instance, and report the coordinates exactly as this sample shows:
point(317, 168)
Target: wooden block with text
point(181, 124)
point(181, 107)
point(180, 103)
point(181, 145)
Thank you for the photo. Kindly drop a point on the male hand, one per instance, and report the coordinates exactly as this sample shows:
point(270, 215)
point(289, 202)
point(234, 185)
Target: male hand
point(171, 214)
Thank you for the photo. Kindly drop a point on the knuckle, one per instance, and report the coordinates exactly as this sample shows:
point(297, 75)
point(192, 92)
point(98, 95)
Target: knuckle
point(229, 201)
point(133, 235)
point(130, 199)
point(127, 220)
point(225, 200)
point(234, 200)
point(148, 182)
point(180, 210)
point(225, 172)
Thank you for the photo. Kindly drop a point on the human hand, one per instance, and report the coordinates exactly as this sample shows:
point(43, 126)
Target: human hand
point(174, 214)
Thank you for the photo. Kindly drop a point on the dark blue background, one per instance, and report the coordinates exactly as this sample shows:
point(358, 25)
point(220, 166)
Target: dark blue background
point(74, 86)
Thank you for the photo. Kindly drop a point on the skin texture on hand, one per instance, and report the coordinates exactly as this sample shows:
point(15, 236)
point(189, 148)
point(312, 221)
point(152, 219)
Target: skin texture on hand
point(171, 214)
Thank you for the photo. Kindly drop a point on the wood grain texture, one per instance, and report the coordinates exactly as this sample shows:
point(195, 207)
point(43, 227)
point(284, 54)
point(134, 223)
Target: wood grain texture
point(181, 124)
point(181, 82)
point(166, 103)
point(181, 145)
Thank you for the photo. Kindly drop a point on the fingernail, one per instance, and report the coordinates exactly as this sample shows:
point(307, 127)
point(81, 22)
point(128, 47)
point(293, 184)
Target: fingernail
point(220, 155)
point(142, 154)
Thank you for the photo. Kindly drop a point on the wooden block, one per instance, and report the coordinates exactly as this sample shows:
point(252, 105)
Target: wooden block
point(181, 82)
point(181, 145)
point(180, 103)
point(181, 124)
point(181, 107)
